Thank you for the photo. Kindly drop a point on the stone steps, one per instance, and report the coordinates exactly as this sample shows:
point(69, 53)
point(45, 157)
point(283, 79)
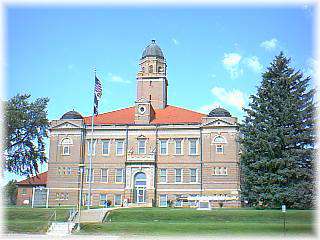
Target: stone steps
point(61, 228)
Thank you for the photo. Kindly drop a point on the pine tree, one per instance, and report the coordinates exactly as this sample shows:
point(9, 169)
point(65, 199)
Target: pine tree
point(278, 136)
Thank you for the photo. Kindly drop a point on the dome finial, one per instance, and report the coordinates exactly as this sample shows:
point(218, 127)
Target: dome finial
point(152, 50)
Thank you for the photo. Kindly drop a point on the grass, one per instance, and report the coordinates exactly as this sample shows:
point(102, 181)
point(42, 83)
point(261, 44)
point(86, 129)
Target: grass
point(167, 221)
point(170, 221)
point(31, 220)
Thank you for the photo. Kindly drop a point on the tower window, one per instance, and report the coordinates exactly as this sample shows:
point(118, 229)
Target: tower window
point(159, 69)
point(150, 69)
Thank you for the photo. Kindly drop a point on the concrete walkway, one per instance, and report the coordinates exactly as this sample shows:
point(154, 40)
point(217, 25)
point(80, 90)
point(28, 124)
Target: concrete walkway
point(94, 215)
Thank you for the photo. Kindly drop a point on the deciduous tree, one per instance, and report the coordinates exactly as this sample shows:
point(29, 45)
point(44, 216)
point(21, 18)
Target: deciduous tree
point(26, 127)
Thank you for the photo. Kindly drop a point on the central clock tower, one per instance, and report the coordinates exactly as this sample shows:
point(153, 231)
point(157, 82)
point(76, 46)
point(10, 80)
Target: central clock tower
point(152, 83)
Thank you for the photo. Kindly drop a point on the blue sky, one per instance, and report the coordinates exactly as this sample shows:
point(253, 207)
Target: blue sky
point(215, 55)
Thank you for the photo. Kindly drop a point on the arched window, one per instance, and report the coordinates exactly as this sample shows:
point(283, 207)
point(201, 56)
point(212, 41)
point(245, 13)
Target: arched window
point(65, 143)
point(150, 69)
point(219, 139)
point(140, 179)
point(159, 69)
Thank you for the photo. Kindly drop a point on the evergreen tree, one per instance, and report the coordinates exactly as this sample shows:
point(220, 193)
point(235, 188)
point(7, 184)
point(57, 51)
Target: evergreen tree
point(26, 127)
point(278, 136)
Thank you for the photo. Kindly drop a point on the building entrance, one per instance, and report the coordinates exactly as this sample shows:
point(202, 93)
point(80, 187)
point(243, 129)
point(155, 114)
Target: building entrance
point(140, 181)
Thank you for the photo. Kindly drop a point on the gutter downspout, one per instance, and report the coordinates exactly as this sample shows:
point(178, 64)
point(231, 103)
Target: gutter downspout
point(201, 163)
point(155, 169)
point(126, 159)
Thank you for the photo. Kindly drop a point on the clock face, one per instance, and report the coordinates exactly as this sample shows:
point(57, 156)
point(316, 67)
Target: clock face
point(142, 109)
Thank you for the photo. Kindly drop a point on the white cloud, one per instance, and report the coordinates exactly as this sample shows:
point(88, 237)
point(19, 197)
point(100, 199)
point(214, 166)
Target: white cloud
point(70, 66)
point(269, 44)
point(175, 41)
point(312, 66)
point(254, 64)
point(213, 75)
point(207, 108)
point(231, 63)
point(234, 97)
point(117, 79)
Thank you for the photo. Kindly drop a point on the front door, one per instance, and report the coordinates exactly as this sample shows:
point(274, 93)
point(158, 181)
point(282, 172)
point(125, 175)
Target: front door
point(140, 187)
point(141, 195)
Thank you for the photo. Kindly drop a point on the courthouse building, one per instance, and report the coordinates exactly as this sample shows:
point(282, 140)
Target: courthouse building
point(148, 154)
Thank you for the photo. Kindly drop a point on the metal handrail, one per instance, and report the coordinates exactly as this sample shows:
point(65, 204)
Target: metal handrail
point(54, 214)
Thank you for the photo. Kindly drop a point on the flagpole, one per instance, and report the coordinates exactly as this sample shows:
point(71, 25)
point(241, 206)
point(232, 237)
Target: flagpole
point(90, 156)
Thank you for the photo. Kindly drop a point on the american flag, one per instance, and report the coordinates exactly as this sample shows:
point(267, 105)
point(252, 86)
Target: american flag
point(97, 94)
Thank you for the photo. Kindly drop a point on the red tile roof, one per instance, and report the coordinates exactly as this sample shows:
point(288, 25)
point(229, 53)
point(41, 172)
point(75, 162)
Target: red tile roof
point(168, 115)
point(40, 179)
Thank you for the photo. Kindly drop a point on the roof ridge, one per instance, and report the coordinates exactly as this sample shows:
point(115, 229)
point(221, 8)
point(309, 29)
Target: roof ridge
point(121, 109)
point(187, 109)
point(38, 176)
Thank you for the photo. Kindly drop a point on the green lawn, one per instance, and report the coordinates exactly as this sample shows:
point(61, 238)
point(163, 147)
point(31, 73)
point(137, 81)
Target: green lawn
point(170, 221)
point(167, 221)
point(31, 220)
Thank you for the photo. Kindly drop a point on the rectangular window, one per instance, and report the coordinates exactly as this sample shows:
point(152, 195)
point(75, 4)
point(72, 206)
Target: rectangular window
point(69, 171)
point(66, 150)
point(178, 178)
point(103, 199)
point(117, 199)
point(163, 200)
point(220, 171)
point(163, 147)
point(93, 147)
point(219, 149)
point(23, 191)
point(141, 146)
point(192, 146)
point(60, 170)
point(193, 203)
point(193, 175)
point(105, 147)
point(119, 175)
point(178, 146)
point(66, 196)
point(104, 175)
point(119, 147)
point(163, 175)
point(87, 202)
point(88, 175)
point(178, 202)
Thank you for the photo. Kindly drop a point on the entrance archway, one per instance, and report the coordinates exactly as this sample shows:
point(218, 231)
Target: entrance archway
point(140, 182)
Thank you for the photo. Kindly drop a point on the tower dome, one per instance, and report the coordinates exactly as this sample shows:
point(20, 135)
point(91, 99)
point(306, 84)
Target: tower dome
point(219, 112)
point(71, 115)
point(152, 50)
